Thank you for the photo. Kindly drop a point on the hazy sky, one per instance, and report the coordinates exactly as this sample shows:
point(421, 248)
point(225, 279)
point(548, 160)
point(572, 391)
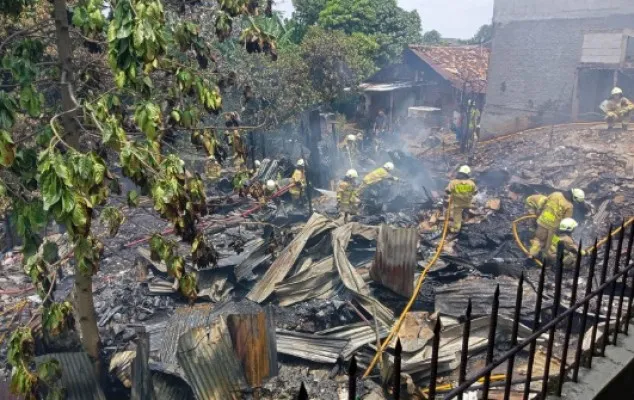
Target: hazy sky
point(452, 18)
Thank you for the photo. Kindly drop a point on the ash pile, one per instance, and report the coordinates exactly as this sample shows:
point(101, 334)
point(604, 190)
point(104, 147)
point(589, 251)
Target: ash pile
point(296, 290)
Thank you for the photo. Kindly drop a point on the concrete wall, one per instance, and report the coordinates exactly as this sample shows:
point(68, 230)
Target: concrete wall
point(523, 10)
point(533, 65)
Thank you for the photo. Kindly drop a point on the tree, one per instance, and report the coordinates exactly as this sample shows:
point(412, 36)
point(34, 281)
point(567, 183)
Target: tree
point(127, 79)
point(484, 35)
point(432, 37)
point(382, 21)
point(307, 11)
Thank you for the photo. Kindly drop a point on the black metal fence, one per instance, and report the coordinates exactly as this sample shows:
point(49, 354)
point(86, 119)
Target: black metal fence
point(559, 317)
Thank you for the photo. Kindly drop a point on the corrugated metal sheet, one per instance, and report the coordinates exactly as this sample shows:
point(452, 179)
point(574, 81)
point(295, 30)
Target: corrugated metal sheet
point(77, 376)
point(386, 87)
point(350, 277)
point(283, 264)
point(210, 364)
point(169, 387)
point(254, 342)
point(460, 65)
point(310, 347)
point(395, 260)
point(320, 280)
point(358, 335)
point(452, 299)
point(183, 319)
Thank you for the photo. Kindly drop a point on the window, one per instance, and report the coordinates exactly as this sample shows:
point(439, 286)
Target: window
point(629, 52)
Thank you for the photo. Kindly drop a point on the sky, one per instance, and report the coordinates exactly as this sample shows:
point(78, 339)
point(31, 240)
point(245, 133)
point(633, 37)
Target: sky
point(452, 18)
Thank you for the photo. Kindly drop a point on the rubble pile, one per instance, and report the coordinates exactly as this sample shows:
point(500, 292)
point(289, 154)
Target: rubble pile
point(293, 297)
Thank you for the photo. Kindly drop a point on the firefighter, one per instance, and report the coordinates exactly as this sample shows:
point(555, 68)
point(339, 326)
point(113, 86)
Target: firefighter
point(347, 195)
point(564, 235)
point(534, 205)
point(212, 169)
point(379, 175)
point(618, 109)
point(461, 189)
point(299, 180)
point(350, 145)
point(557, 207)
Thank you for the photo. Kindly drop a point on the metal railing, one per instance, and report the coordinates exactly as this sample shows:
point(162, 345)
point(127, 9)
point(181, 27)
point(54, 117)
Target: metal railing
point(607, 285)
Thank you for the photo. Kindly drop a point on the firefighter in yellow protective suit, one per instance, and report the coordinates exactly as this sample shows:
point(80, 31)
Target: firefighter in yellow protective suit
point(349, 145)
point(618, 109)
point(462, 189)
point(557, 207)
point(534, 205)
point(299, 180)
point(378, 175)
point(348, 195)
point(213, 169)
point(564, 236)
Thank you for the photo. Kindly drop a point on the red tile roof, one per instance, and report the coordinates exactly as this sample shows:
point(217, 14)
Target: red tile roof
point(457, 64)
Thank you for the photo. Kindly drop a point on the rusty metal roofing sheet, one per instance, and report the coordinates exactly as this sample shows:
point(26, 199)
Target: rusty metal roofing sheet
point(320, 279)
point(358, 335)
point(210, 364)
point(458, 64)
point(183, 319)
point(310, 347)
point(395, 260)
point(77, 375)
point(283, 264)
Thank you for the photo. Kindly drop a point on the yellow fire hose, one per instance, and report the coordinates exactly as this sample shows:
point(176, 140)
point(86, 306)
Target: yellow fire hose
point(614, 232)
point(519, 242)
point(449, 386)
point(419, 284)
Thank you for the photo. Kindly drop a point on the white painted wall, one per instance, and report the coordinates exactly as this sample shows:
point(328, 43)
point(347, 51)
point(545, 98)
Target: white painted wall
point(505, 11)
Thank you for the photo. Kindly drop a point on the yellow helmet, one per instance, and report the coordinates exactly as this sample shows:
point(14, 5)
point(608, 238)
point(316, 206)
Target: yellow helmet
point(465, 170)
point(389, 166)
point(352, 174)
point(616, 90)
point(578, 195)
point(567, 225)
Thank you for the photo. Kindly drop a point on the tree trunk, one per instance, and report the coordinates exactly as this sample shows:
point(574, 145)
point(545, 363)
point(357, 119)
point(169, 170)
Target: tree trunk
point(84, 305)
point(85, 309)
point(65, 53)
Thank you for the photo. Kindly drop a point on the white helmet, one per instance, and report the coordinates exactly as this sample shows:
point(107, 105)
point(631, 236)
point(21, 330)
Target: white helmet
point(465, 170)
point(389, 166)
point(351, 138)
point(359, 136)
point(270, 184)
point(616, 90)
point(578, 195)
point(300, 162)
point(352, 174)
point(257, 163)
point(567, 225)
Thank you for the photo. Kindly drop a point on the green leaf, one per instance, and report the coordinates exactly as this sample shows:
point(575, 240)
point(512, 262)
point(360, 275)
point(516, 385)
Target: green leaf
point(80, 216)
point(124, 31)
point(68, 202)
point(51, 189)
point(50, 252)
point(133, 198)
point(7, 149)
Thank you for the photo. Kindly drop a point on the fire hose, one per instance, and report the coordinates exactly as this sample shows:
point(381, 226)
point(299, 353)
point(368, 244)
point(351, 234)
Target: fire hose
point(204, 225)
point(410, 303)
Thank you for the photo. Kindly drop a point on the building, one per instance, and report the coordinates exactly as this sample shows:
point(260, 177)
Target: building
point(555, 61)
point(432, 76)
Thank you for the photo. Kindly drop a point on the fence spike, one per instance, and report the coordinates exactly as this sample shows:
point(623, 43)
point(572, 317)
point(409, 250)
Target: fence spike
point(491, 342)
point(303, 394)
point(559, 270)
point(352, 379)
point(573, 299)
point(516, 323)
point(599, 301)
point(464, 356)
point(397, 369)
point(536, 320)
point(433, 372)
point(617, 266)
point(628, 257)
point(584, 313)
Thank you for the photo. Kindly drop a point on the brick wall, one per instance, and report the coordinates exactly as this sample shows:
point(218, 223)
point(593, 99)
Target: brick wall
point(532, 70)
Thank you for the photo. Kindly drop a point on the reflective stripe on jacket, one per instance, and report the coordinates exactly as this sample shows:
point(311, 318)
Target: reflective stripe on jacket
point(555, 209)
point(462, 192)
